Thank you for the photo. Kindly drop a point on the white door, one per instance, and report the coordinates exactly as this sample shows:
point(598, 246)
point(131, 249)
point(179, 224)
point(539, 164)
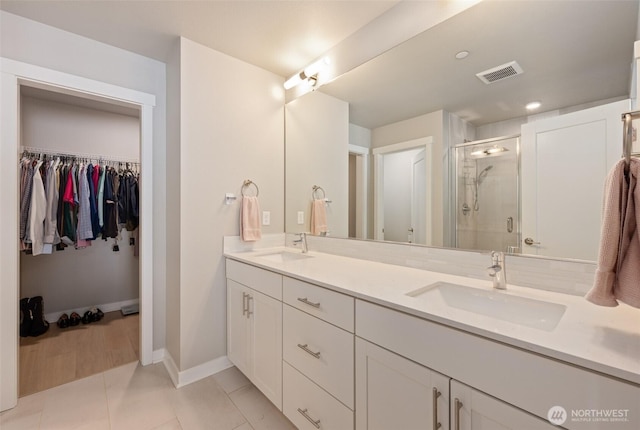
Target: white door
point(565, 160)
point(419, 199)
point(238, 326)
point(266, 337)
point(474, 410)
point(393, 392)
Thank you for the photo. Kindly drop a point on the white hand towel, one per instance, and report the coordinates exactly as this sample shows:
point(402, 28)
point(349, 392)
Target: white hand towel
point(250, 219)
point(618, 273)
point(318, 217)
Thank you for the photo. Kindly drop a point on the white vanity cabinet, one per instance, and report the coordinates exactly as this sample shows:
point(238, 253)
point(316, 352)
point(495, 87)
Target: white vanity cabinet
point(254, 326)
point(393, 392)
point(474, 410)
point(523, 384)
point(318, 353)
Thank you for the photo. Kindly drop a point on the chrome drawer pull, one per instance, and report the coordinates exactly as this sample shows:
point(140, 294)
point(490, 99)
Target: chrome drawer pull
point(245, 307)
point(307, 302)
point(308, 351)
point(456, 413)
point(304, 413)
point(436, 394)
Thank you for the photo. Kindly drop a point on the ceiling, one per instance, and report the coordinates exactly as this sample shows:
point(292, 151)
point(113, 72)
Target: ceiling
point(572, 52)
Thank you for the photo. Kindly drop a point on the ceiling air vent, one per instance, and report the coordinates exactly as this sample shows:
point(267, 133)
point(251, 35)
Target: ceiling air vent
point(499, 73)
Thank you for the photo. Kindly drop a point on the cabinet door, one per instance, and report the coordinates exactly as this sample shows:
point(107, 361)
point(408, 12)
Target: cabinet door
point(393, 392)
point(238, 326)
point(472, 409)
point(266, 342)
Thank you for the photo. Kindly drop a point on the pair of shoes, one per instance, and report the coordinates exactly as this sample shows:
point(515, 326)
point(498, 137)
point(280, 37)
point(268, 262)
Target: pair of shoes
point(63, 321)
point(92, 315)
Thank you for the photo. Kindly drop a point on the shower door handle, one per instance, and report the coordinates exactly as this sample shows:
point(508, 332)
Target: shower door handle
point(510, 224)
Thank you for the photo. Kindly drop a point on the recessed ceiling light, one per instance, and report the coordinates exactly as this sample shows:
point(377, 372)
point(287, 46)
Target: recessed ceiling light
point(533, 105)
point(462, 54)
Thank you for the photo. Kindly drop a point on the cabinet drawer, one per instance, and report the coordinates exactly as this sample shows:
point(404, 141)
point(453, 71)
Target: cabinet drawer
point(303, 398)
point(336, 308)
point(322, 352)
point(261, 280)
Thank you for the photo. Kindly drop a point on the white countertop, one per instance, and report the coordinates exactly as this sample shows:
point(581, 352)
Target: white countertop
point(602, 339)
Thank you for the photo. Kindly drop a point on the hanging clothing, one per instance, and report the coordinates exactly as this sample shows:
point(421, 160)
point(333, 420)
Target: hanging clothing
point(84, 228)
point(71, 204)
point(37, 212)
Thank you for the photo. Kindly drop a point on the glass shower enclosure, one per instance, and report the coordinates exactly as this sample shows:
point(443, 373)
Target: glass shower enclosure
point(487, 208)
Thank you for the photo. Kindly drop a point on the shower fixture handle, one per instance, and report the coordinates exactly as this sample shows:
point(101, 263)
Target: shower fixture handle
point(529, 241)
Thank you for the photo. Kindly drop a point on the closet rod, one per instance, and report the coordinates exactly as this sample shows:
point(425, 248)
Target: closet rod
point(77, 155)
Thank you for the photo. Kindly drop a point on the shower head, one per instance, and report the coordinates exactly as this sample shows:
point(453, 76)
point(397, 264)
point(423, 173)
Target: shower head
point(483, 174)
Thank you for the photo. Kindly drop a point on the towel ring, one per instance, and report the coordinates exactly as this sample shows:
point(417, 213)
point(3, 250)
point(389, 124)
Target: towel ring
point(247, 184)
point(315, 191)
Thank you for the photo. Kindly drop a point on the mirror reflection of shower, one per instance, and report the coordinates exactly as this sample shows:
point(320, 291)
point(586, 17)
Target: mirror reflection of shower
point(487, 195)
point(478, 181)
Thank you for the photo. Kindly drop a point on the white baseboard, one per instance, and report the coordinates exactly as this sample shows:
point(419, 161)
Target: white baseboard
point(158, 355)
point(105, 307)
point(196, 373)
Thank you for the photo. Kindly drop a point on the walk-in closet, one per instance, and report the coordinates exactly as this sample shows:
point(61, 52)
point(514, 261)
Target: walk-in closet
point(79, 167)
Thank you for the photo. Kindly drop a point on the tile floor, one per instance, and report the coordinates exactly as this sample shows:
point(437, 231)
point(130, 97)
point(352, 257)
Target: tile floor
point(144, 398)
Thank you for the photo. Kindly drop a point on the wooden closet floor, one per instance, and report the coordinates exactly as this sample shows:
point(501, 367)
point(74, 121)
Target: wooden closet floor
point(64, 355)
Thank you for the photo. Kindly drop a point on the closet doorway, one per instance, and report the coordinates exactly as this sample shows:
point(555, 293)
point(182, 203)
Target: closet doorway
point(87, 156)
point(15, 76)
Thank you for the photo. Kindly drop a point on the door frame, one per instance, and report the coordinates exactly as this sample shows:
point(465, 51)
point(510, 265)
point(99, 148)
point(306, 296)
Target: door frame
point(425, 143)
point(15, 74)
point(362, 190)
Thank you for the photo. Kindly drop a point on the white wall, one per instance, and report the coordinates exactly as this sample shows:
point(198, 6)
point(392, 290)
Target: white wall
point(231, 129)
point(317, 139)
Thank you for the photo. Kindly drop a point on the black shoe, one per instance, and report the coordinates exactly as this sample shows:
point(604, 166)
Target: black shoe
point(74, 319)
point(87, 317)
point(63, 321)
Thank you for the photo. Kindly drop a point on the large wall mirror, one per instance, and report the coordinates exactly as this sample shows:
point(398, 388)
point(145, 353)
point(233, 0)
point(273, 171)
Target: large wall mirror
point(414, 146)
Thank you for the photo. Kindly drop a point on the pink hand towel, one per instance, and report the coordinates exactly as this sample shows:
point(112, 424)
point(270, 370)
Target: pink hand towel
point(618, 273)
point(250, 219)
point(318, 217)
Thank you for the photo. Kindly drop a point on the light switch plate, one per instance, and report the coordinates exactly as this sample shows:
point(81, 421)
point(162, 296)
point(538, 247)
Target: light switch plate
point(300, 217)
point(266, 217)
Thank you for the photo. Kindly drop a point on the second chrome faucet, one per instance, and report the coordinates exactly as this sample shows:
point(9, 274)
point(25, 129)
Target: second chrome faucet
point(498, 271)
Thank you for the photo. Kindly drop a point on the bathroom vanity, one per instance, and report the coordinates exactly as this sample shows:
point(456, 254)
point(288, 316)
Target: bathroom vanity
point(343, 343)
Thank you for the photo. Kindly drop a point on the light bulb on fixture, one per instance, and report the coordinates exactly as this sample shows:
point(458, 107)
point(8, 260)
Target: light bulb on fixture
point(310, 71)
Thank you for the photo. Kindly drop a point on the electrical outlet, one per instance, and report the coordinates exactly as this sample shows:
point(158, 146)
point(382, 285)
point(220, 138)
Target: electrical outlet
point(266, 217)
point(300, 217)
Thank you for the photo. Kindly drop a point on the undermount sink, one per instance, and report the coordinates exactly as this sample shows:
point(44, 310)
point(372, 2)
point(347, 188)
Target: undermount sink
point(518, 310)
point(283, 256)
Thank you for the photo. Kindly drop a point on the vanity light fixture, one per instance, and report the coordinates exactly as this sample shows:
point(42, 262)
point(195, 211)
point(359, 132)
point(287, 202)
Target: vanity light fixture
point(533, 105)
point(311, 71)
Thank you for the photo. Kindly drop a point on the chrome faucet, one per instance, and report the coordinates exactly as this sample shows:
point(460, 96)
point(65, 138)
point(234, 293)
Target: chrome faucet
point(498, 271)
point(303, 241)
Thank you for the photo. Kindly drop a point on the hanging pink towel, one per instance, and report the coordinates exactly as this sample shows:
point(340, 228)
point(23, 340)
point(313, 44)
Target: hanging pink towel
point(250, 219)
point(318, 217)
point(617, 276)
